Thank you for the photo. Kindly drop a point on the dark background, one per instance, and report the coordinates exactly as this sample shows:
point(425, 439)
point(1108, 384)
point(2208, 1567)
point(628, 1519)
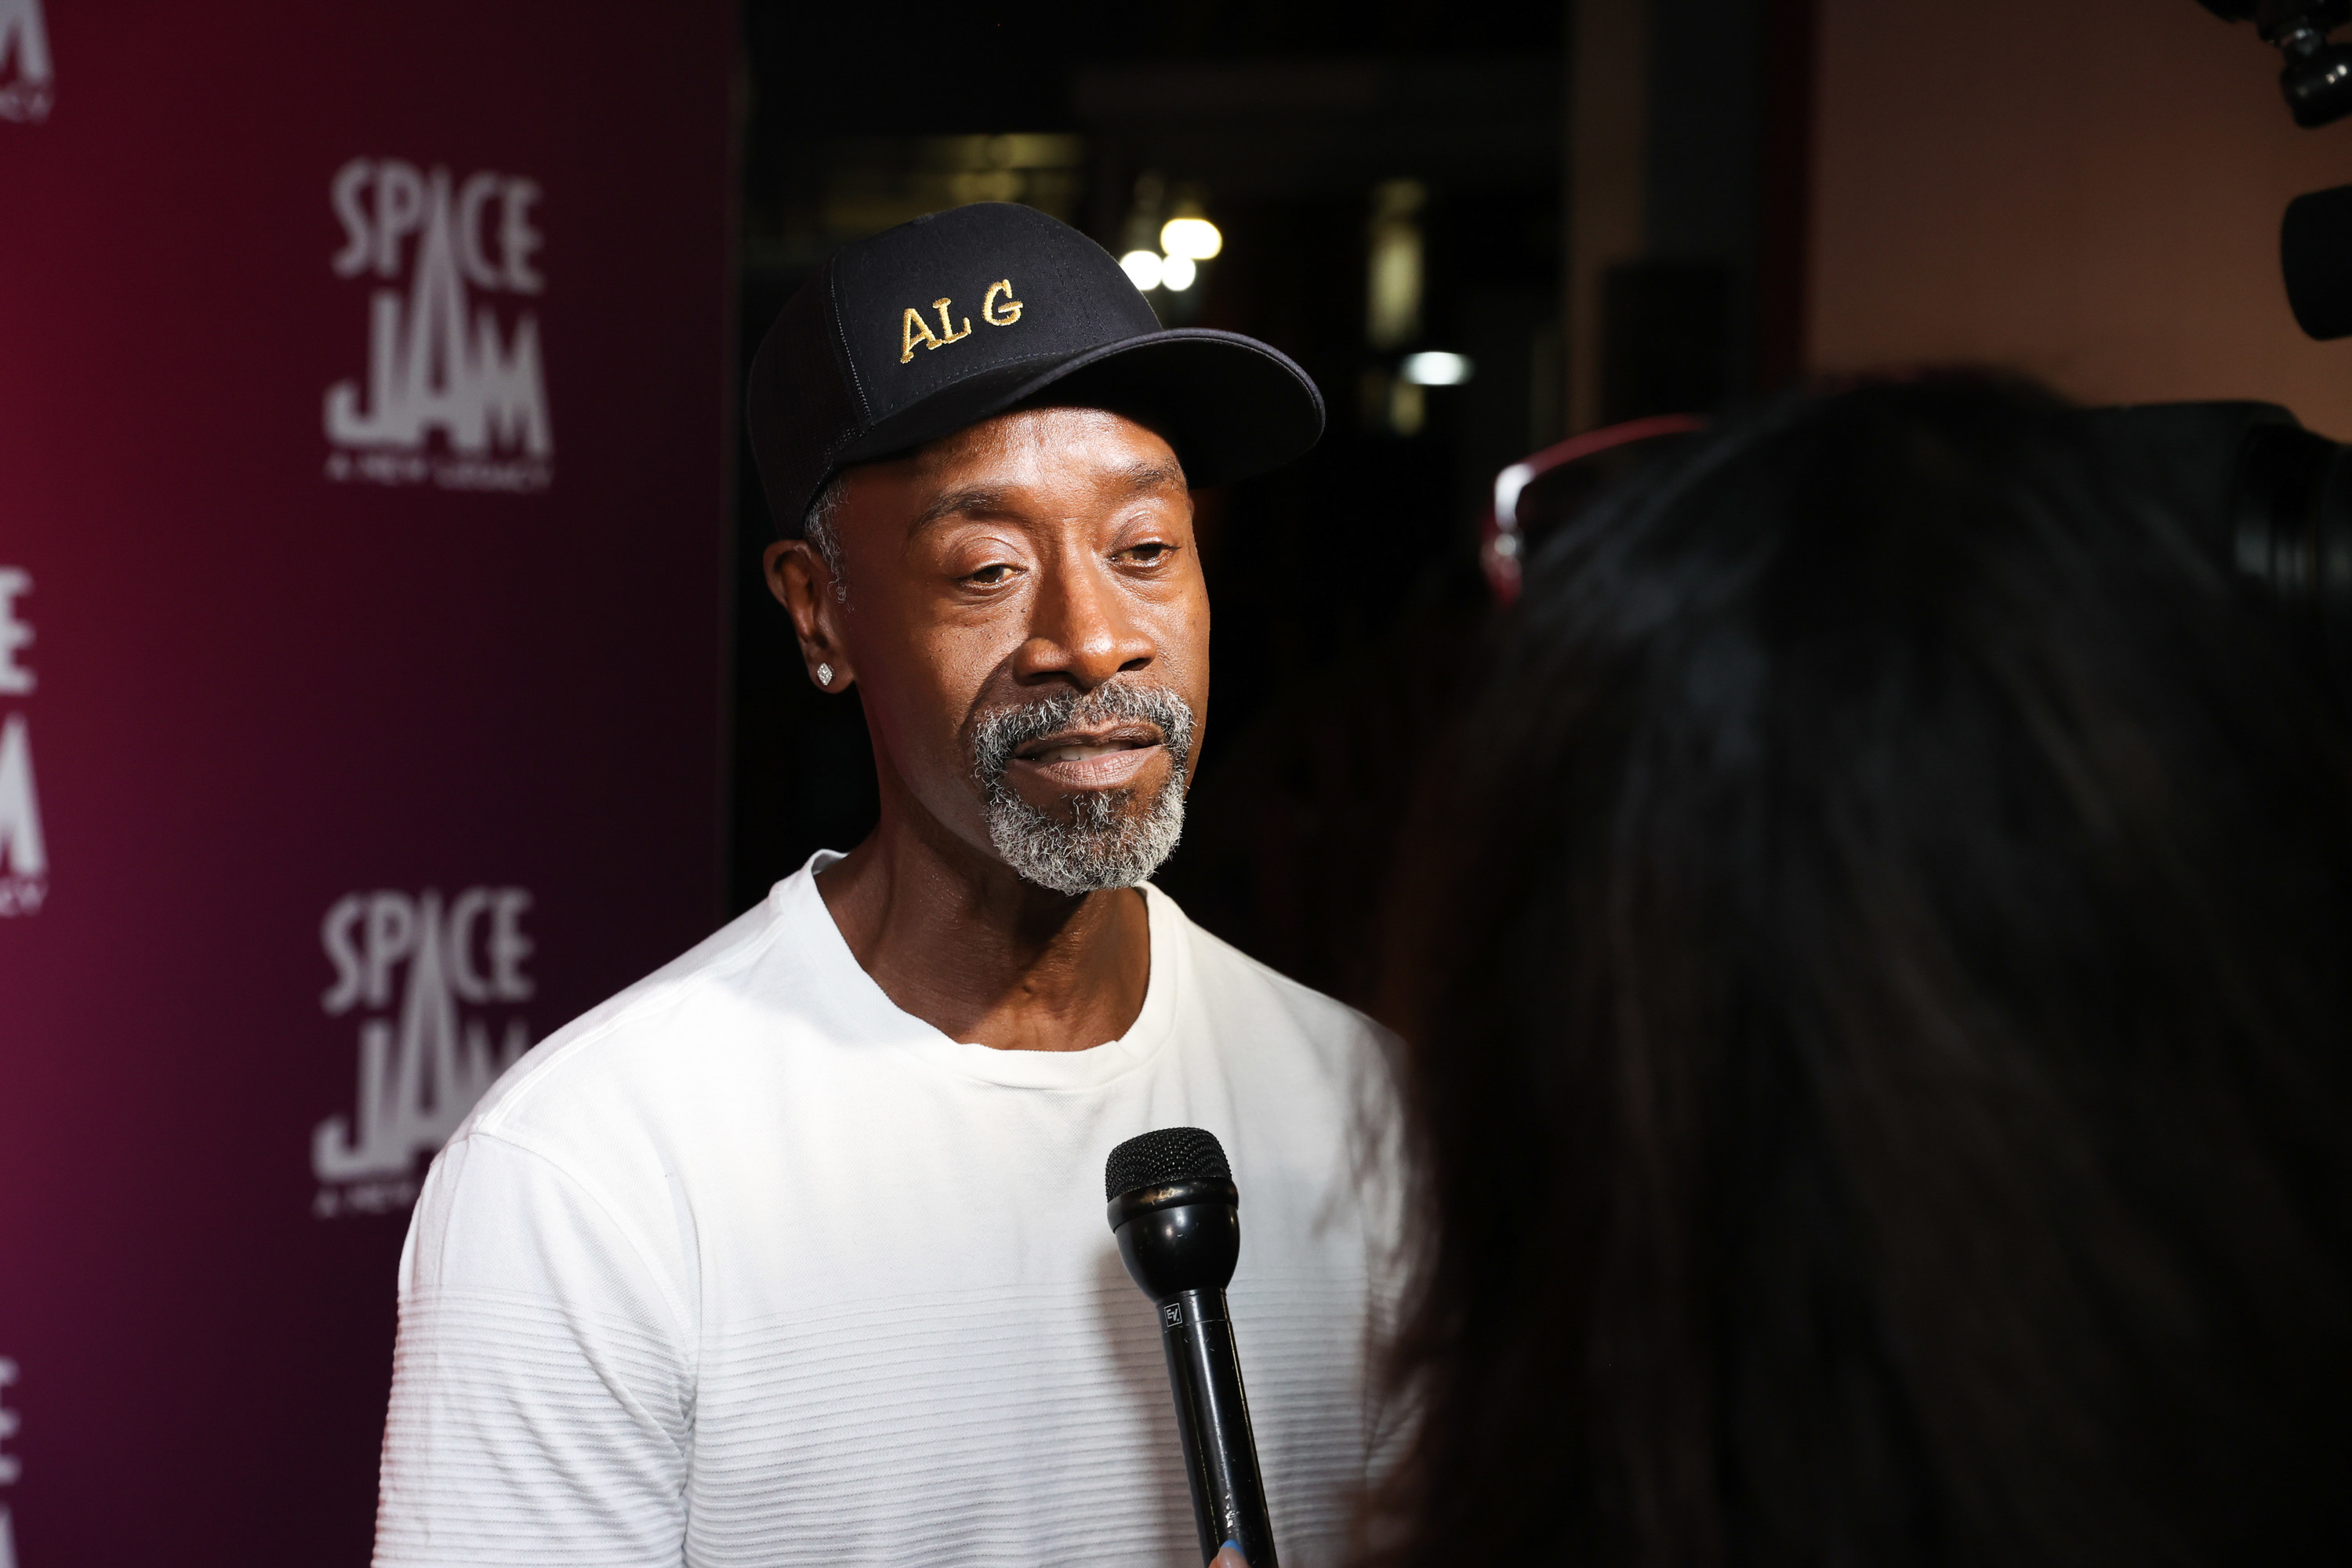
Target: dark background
point(1346, 588)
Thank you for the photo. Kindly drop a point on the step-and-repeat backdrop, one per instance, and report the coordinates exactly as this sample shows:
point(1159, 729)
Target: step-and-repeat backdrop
point(363, 385)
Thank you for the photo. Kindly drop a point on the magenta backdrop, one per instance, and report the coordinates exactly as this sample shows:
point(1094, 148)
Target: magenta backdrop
point(338, 750)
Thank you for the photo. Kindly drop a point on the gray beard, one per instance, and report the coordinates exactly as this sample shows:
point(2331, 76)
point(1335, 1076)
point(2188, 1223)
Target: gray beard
point(1111, 840)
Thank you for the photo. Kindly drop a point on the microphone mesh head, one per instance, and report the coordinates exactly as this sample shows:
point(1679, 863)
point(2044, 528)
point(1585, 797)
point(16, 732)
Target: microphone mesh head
point(1157, 1159)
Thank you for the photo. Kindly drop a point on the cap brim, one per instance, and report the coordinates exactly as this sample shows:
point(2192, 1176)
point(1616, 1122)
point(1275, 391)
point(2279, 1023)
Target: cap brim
point(1230, 405)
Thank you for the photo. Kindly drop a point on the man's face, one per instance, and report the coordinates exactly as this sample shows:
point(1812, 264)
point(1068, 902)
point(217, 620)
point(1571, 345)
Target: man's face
point(1027, 622)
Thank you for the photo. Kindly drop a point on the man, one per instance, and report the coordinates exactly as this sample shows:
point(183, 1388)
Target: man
point(796, 1252)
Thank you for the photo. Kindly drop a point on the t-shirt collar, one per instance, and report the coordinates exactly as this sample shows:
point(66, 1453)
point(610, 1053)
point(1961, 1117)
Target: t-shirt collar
point(854, 996)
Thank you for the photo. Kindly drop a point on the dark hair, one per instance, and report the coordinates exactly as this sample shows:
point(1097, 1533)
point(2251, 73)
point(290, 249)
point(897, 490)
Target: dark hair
point(1878, 993)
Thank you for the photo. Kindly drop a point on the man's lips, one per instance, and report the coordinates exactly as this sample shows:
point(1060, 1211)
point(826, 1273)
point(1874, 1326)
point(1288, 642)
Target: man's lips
point(1086, 759)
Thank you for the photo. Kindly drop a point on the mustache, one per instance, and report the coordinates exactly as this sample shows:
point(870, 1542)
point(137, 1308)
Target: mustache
point(996, 734)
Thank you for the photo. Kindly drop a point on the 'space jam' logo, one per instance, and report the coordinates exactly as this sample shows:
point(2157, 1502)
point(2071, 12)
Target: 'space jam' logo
point(26, 87)
point(451, 397)
point(24, 853)
point(426, 1060)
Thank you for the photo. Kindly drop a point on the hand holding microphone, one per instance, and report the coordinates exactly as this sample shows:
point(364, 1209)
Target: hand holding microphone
point(1175, 1211)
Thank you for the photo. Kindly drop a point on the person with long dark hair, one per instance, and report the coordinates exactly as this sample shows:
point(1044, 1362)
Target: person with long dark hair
point(1879, 985)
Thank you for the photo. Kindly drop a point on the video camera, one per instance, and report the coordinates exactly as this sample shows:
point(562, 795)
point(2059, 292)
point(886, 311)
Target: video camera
point(2273, 502)
point(2317, 80)
point(2315, 241)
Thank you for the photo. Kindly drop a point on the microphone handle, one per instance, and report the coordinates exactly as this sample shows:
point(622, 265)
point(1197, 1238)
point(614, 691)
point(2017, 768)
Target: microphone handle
point(1213, 1415)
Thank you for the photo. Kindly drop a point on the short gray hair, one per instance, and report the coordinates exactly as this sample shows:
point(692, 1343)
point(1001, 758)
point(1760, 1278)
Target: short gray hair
point(817, 528)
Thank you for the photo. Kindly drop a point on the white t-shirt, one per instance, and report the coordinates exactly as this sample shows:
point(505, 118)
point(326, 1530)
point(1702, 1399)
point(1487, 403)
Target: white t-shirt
point(748, 1266)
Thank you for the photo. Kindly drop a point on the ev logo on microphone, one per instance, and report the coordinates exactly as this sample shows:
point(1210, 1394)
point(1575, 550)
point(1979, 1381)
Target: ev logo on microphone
point(27, 86)
point(24, 853)
point(453, 396)
point(424, 1059)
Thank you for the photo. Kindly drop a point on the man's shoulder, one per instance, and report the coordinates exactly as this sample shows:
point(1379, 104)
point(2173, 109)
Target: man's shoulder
point(657, 1043)
point(1317, 1072)
point(1233, 983)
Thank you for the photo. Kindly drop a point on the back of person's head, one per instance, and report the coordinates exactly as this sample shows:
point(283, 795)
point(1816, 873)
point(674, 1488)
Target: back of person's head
point(1877, 986)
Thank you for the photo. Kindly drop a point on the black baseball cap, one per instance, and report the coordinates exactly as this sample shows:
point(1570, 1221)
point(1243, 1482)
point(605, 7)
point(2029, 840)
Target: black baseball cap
point(936, 324)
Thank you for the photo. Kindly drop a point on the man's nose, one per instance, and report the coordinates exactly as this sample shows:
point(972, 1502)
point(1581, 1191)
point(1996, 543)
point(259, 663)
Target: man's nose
point(1082, 627)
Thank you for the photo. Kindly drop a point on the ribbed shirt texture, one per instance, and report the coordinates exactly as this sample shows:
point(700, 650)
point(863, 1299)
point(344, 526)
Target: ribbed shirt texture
point(748, 1266)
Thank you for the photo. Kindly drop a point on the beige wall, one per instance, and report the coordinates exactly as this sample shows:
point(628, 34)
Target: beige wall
point(2090, 192)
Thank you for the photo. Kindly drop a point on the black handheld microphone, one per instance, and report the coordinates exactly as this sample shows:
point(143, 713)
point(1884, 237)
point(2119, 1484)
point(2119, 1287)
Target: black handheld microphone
point(1176, 1214)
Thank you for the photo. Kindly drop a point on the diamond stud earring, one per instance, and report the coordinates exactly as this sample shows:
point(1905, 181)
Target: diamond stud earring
point(824, 675)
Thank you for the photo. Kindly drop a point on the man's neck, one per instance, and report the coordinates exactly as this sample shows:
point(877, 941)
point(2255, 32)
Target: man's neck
point(956, 938)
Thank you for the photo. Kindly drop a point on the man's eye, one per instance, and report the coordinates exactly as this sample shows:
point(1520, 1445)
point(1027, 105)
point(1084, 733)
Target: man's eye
point(990, 575)
point(1151, 555)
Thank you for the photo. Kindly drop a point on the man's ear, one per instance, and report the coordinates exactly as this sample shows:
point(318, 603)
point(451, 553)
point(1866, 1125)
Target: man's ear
point(802, 583)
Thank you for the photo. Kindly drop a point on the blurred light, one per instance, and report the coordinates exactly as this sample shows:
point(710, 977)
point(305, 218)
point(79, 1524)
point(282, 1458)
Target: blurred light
point(1177, 272)
point(1393, 284)
point(1190, 240)
point(1142, 269)
point(1408, 407)
point(1435, 369)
